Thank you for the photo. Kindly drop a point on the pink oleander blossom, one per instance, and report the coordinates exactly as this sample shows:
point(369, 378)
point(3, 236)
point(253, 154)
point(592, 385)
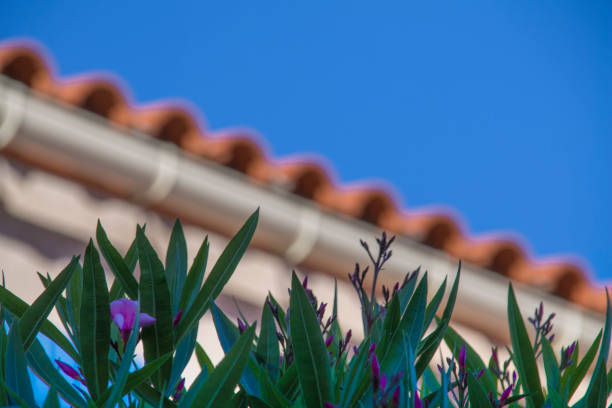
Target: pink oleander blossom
point(123, 313)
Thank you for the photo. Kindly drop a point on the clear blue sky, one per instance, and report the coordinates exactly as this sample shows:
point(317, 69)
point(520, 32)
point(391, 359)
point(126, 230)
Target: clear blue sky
point(500, 110)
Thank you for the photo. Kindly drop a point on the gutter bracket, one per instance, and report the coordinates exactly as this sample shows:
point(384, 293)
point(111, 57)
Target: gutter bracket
point(165, 177)
point(12, 110)
point(309, 226)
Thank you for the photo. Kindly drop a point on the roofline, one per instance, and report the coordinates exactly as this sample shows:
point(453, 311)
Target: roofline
point(79, 145)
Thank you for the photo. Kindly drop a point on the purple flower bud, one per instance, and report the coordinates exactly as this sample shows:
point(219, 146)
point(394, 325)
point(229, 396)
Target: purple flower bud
point(305, 282)
point(70, 372)
point(505, 394)
point(395, 397)
point(177, 318)
point(480, 373)
point(570, 350)
point(417, 400)
point(355, 350)
point(383, 382)
point(514, 377)
point(462, 359)
point(178, 392)
point(329, 340)
point(375, 372)
point(372, 348)
point(241, 326)
point(349, 334)
point(328, 405)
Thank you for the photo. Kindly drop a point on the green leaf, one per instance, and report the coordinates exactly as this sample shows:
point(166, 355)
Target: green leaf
point(228, 335)
point(39, 362)
point(116, 263)
point(176, 264)
point(94, 335)
point(16, 398)
point(52, 401)
point(193, 283)
point(153, 397)
point(124, 367)
point(203, 359)
point(551, 366)
point(33, 318)
point(428, 347)
point(575, 378)
point(477, 394)
point(405, 293)
point(392, 319)
point(309, 348)
point(218, 388)
point(410, 325)
point(523, 355)
point(73, 300)
point(18, 307)
point(597, 393)
point(182, 356)
point(270, 392)
point(15, 367)
point(433, 305)
point(136, 379)
point(220, 274)
point(267, 350)
point(157, 338)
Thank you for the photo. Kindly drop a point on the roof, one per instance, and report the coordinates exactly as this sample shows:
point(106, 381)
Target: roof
point(307, 177)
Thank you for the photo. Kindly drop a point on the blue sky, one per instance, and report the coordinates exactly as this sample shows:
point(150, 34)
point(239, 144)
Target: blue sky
point(501, 111)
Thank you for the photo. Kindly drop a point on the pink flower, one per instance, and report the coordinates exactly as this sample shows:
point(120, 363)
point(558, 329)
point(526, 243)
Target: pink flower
point(123, 313)
point(70, 372)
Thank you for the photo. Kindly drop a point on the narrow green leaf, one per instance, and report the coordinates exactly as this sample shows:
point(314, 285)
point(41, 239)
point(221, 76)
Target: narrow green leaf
point(187, 400)
point(18, 307)
point(427, 348)
point(182, 356)
point(228, 334)
point(73, 299)
point(309, 349)
point(94, 336)
point(270, 392)
point(267, 351)
point(136, 379)
point(406, 292)
point(551, 366)
point(33, 318)
point(15, 398)
point(124, 367)
point(130, 259)
point(41, 364)
point(433, 305)
point(410, 325)
point(176, 264)
point(523, 355)
point(195, 277)
point(153, 397)
point(155, 300)
point(220, 274)
point(203, 359)
point(218, 388)
point(573, 378)
point(597, 393)
point(15, 367)
point(116, 263)
point(52, 401)
point(392, 319)
point(477, 393)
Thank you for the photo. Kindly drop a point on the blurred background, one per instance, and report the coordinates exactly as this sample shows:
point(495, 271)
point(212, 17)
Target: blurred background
point(498, 111)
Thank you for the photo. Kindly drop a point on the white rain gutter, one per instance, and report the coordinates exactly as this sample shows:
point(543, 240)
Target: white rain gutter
point(154, 173)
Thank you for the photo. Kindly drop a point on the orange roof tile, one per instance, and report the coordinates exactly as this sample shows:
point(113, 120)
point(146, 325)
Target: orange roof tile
point(307, 177)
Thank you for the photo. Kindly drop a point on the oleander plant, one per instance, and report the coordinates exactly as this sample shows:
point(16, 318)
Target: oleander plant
point(295, 357)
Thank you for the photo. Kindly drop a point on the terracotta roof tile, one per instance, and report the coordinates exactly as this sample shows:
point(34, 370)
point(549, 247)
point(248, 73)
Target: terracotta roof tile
point(242, 150)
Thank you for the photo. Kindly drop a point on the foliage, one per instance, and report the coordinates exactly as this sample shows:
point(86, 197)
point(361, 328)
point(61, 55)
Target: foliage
point(299, 358)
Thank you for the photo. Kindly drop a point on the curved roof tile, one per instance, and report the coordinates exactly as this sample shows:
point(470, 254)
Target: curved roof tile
point(241, 150)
